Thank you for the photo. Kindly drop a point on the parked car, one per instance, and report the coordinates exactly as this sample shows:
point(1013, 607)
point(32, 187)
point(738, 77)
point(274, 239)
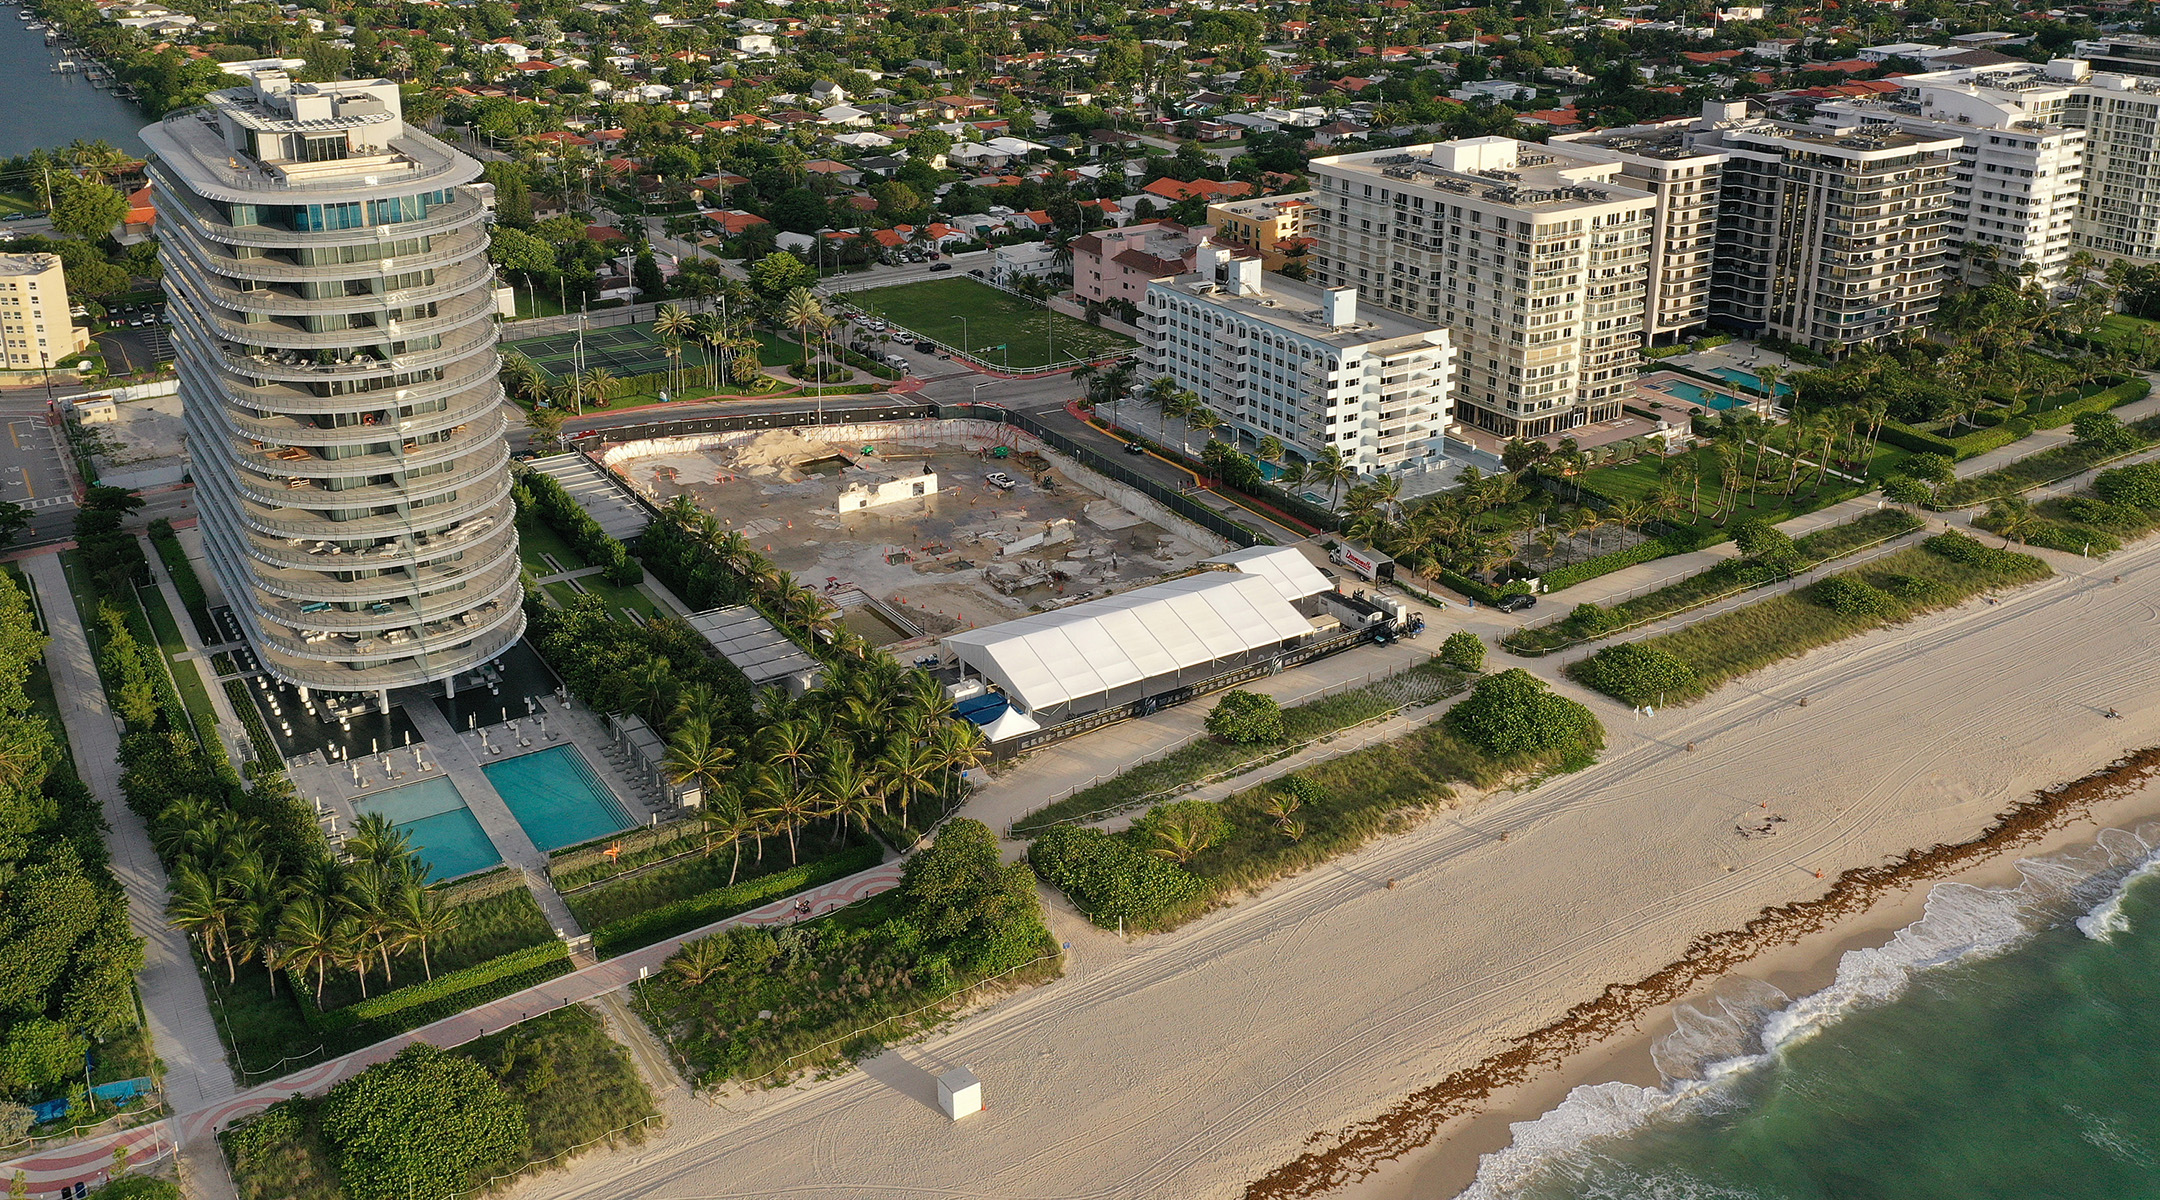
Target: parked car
point(927, 347)
point(15, 216)
point(1001, 481)
point(896, 362)
point(941, 266)
point(978, 273)
point(1517, 602)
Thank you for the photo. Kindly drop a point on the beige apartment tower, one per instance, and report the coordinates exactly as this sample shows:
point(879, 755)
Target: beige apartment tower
point(36, 321)
point(1535, 262)
point(334, 335)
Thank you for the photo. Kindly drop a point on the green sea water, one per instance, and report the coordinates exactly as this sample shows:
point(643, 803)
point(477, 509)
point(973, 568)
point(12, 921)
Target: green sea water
point(2027, 1071)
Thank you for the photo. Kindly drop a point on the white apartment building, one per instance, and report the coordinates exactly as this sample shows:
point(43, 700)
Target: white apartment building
point(37, 324)
point(1833, 239)
point(334, 332)
point(1536, 262)
point(1300, 363)
point(2019, 171)
point(2120, 212)
point(1683, 177)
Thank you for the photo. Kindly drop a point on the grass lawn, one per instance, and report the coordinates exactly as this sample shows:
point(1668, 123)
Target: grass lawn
point(1715, 583)
point(1635, 480)
point(1729, 645)
point(1208, 757)
point(626, 896)
point(187, 680)
point(2119, 328)
point(22, 202)
point(536, 302)
point(975, 317)
point(486, 929)
point(535, 538)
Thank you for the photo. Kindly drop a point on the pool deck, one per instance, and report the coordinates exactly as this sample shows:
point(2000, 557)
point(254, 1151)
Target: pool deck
point(460, 756)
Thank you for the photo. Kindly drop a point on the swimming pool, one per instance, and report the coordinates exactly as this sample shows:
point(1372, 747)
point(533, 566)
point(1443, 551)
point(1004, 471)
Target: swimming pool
point(444, 833)
point(1748, 379)
point(1697, 394)
point(557, 797)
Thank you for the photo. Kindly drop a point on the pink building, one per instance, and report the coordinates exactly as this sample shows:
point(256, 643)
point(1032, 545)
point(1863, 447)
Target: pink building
point(1116, 264)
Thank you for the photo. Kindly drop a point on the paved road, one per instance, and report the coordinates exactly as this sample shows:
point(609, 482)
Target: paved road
point(35, 470)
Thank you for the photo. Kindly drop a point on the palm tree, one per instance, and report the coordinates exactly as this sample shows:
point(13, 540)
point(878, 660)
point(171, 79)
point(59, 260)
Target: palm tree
point(601, 384)
point(909, 767)
point(423, 919)
point(709, 332)
point(376, 842)
point(695, 756)
point(308, 940)
point(726, 824)
point(352, 950)
point(801, 312)
point(849, 791)
point(790, 809)
point(201, 908)
point(700, 960)
point(672, 346)
point(1201, 417)
point(1333, 470)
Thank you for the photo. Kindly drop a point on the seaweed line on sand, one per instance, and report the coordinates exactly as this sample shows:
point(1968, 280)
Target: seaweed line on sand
point(1415, 1120)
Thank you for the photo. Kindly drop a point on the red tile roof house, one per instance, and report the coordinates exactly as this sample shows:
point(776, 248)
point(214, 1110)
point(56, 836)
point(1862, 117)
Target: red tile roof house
point(606, 235)
point(838, 171)
point(735, 221)
point(1207, 189)
point(1116, 264)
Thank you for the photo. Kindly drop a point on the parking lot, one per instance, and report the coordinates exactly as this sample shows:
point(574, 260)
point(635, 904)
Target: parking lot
point(138, 340)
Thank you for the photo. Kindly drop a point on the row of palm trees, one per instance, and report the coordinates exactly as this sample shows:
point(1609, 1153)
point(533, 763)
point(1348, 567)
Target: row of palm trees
point(873, 737)
point(242, 904)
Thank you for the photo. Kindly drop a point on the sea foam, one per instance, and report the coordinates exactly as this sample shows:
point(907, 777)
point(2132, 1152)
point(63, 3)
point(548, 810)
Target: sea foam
point(1742, 1024)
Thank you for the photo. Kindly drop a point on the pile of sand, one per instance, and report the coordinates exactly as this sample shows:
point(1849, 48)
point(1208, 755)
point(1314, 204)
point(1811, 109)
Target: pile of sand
point(778, 448)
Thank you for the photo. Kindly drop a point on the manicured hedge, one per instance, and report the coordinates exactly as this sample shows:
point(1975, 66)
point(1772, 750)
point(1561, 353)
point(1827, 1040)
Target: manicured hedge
point(554, 504)
point(2100, 401)
point(444, 994)
point(1482, 593)
point(576, 866)
point(1605, 564)
point(681, 917)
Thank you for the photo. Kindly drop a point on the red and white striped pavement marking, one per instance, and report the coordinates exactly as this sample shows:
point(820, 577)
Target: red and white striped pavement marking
point(88, 1161)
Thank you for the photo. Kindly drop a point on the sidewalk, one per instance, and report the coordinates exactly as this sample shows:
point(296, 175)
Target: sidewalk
point(2048, 439)
point(182, 1029)
point(575, 988)
point(89, 1160)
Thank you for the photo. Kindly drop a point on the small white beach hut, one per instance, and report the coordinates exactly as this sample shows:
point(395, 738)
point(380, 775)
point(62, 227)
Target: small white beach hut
point(959, 1093)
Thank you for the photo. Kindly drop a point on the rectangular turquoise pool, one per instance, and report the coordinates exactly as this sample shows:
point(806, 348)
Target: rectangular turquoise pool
point(1748, 379)
point(444, 833)
point(558, 798)
point(1695, 393)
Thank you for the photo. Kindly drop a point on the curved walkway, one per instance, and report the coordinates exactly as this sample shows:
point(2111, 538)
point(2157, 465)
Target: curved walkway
point(88, 1161)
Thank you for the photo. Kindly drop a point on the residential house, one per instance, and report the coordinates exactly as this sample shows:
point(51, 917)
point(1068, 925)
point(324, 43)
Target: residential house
point(1116, 264)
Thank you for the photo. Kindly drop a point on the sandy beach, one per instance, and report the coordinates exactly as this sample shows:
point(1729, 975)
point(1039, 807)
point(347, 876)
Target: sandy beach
point(1192, 1064)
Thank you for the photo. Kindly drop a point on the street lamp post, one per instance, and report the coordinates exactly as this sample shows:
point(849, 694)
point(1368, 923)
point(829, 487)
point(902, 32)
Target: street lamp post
point(963, 335)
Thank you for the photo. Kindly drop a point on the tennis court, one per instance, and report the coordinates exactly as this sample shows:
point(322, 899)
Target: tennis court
point(622, 350)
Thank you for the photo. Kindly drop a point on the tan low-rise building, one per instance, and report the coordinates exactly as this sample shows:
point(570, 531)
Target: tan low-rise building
point(1271, 226)
point(36, 320)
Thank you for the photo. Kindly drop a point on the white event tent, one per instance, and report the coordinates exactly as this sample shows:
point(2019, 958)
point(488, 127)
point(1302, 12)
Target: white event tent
point(1118, 649)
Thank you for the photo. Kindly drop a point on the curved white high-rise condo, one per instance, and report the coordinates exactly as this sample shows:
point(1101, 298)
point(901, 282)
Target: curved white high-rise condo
point(333, 330)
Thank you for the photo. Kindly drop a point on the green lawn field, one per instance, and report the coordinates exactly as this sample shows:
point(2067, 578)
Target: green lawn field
point(997, 327)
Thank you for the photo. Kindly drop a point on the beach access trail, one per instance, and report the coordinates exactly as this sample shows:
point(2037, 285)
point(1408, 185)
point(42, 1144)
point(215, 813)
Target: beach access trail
point(1190, 1063)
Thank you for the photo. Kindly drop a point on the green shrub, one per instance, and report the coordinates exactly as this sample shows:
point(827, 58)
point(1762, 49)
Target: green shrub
point(427, 1122)
point(1514, 713)
point(1849, 596)
point(1588, 621)
point(1605, 564)
point(1109, 878)
point(1910, 588)
point(1246, 718)
point(2138, 485)
point(1464, 651)
point(517, 963)
point(1929, 468)
point(1181, 829)
point(1636, 674)
point(1971, 552)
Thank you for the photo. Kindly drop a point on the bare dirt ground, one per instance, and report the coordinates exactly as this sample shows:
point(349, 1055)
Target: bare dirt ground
point(933, 560)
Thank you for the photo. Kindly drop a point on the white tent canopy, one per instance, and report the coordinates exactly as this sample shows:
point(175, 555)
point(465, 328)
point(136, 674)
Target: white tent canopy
point(1010, 724)
point(1293, 574)
point(1135, 643)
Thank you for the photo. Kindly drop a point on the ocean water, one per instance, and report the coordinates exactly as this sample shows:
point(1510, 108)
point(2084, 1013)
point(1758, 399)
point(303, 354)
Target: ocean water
point(2005, 1046)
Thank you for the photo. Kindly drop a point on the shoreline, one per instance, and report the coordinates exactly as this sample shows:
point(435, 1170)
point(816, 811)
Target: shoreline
point(1794, 947)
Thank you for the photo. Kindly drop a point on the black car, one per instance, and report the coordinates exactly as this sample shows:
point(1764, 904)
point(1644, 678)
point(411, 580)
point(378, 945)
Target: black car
point(1517, 602)
point(926, 347)
point(978, 273)
point(941, 266)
